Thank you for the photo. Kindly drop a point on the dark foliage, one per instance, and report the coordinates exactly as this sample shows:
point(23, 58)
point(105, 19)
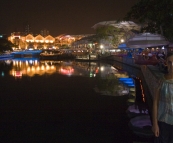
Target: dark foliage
point(5, 45)
point(156, 16)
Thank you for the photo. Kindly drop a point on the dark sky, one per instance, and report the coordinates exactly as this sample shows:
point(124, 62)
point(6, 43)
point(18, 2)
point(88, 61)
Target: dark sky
point(60, 16)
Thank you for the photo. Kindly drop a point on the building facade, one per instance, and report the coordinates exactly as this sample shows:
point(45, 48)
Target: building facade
point(41, 42)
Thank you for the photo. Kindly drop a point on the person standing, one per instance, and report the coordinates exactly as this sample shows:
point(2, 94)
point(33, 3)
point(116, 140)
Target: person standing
point(163, 110)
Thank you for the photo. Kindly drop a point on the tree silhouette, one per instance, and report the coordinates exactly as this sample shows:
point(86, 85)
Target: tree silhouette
point(5, 45)
point(108, 33)
point(156, 16)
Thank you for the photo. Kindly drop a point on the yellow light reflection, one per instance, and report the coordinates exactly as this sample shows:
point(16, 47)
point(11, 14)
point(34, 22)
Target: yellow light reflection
point(52, 67)
point(42, 67)
point(28, 69)
point(20, 63)
point(36, 62)
point(33, 68)
point(47, 67)
point(26, 63)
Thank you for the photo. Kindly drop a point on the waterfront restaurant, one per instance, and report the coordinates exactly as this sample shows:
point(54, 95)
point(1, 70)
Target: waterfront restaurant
point(39, 42)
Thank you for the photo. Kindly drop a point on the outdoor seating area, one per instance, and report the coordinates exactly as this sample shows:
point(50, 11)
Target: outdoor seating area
point(145, 60)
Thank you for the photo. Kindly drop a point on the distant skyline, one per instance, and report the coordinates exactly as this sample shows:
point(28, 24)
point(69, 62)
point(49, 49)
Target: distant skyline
point(60, 16)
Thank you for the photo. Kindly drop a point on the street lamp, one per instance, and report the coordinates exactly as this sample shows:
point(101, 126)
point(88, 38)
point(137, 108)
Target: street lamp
point(122, 40)
point(101, 47)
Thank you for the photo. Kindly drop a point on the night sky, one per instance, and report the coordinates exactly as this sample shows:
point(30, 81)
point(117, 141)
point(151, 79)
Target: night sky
point(60, 16)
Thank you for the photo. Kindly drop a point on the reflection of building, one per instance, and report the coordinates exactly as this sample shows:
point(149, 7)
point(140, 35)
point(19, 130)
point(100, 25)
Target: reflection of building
point(67, 70)
point(31, 67)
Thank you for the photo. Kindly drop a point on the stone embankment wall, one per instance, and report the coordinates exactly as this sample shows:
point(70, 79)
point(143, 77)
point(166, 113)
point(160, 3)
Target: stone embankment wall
point(152, 78)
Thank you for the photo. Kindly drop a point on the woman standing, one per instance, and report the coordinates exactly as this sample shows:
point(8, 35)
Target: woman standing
point(163, 110)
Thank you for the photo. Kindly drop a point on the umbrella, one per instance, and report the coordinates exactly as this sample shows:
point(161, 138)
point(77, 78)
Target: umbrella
point(144, 40)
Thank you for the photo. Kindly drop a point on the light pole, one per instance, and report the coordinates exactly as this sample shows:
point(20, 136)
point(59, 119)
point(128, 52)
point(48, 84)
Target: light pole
point(101, 47)
point(122, 40)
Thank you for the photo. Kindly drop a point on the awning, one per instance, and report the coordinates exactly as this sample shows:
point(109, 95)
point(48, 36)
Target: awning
point(145, 40)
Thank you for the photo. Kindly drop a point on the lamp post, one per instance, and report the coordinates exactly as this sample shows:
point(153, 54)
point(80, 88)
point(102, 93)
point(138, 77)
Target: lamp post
point(122, 40)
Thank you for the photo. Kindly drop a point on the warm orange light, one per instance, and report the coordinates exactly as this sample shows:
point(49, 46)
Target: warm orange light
point(17, 73)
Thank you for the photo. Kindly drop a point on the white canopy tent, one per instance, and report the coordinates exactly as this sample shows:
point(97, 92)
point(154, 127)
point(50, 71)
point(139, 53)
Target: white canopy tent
point(145, 40)
point(125, 25)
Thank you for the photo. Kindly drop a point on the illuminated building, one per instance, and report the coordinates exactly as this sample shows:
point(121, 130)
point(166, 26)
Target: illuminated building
point(42, 42)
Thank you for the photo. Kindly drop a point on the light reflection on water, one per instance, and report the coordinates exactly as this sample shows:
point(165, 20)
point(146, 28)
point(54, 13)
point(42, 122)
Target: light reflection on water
point(19, 68)
point(32, 67)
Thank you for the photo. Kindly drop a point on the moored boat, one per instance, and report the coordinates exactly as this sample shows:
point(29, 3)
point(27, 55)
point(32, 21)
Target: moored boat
point(6, 55)
point(91, 57)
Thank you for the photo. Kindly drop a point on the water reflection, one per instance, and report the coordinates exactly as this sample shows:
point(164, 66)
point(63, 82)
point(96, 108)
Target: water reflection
point(32, 67)
point(19, 68)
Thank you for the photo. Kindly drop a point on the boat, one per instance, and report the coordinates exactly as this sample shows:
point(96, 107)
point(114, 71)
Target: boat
point(48, 56)
point(55, 56)
point(87, 58)
point(26, 53)
point(141, 126)
point(6, 56)
point(137, 110)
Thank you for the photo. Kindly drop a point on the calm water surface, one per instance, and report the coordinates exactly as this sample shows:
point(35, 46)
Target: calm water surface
point(54, 101)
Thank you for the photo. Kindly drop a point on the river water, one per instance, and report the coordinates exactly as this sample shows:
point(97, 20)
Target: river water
point(55, 101)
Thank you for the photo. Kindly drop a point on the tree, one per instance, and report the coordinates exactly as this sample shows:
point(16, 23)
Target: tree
point(64, 46)
point(156, 16)
point(108, 33)
point(110, 83)
point(5, 45)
